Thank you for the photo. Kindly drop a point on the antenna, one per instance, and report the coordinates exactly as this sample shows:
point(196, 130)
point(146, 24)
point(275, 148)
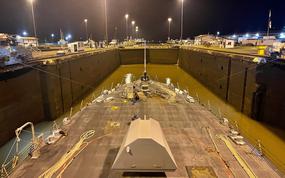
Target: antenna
point(145, 56)
point(145, 77)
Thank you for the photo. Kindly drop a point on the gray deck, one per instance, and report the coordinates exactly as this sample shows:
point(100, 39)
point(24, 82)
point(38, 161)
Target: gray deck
point(183, 125)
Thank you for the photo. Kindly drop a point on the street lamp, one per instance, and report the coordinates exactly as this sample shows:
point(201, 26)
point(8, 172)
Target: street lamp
point(68, 37)
point(127, 26)
point(52, 37)
point(137, 30)
point(106, 22)
point(169, 27)
point(33, 15)
point(86, 28)
point(25, 33)
point(133, 25)
point(182, 20)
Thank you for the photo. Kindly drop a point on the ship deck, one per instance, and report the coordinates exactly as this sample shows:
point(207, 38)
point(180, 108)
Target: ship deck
point(184, 125)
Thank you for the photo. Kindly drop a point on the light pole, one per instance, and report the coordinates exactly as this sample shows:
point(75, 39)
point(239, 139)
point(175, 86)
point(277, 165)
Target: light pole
point(137, 30)
point(52, 37)
point(86, 28)
point(33, 15)
point(182, 19)
point(106, 22)
point(127, 25)
point(24, 33)
point(169, 27)
point(133, 25)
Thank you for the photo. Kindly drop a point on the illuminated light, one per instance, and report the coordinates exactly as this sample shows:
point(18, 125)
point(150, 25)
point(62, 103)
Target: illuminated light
point(127, 16)
point(52, 35)
point(257, 35)
point(68, 37)
point(133, 22)
point(25, 33)
point(234, 36)
point(169, 19)
point(85, 20)
point(247, 35)
point(218, 33)
point(282, 35)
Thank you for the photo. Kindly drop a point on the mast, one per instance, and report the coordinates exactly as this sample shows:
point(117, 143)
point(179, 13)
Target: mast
point(145, 56)
point(145, 76)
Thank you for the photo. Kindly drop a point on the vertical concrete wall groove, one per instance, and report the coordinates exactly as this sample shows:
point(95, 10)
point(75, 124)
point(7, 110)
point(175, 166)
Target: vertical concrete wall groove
point(71, 86)
point(244, 89)
point(228, 78)
point(61, 87)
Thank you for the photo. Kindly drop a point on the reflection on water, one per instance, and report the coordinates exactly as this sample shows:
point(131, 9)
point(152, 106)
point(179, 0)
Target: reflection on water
point(273, 144)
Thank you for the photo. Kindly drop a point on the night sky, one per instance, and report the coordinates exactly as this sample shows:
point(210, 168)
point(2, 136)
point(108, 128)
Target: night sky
point(201, 16)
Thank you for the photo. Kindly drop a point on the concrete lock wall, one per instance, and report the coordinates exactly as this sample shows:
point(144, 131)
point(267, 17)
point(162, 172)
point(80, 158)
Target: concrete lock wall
point(35, 96)
point(230, 78)
point(78, 77)
point(270, 95)
point(154, 56)
point(20, 101)
point(211, 70)
point(252, 89)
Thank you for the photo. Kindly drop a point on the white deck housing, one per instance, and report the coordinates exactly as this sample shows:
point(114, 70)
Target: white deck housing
point(144, 149)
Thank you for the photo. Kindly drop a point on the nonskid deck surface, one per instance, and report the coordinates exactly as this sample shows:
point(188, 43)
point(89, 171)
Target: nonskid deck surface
point(184, 125)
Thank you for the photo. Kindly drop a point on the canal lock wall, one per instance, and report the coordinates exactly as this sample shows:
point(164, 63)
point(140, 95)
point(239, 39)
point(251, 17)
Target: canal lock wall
point(256, 90)
point(45, 92)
